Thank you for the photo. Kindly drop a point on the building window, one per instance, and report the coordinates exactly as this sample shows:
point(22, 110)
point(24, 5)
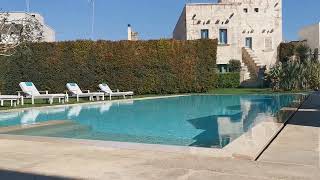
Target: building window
point(223, 36)
point(268, 43)
point(204, 34)
point(256, 9)
point(245, 10)
point(223, 68)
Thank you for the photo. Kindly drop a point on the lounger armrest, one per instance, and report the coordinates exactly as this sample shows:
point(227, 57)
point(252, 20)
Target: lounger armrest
point(87, 91)
point(19, 93)
point(46, 92)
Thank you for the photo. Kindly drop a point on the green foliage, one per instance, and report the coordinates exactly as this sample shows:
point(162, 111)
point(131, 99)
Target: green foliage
point(298, 68)
point(274, 76)
point(228, 80)
point(146, 67)
point(295, 76)
point(3, 69)
point(299, 51)
point(234, 65)
point(314, 76)
point(286, 50)
point(302, 52)
point(315, 56)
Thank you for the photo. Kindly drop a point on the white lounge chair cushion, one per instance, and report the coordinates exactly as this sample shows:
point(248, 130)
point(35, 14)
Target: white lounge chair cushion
point(74, 88)
point(29, 88)
point(105, 88)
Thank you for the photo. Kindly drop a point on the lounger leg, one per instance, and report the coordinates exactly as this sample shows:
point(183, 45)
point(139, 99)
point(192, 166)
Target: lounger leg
point(32, 100)
point(67, 98)
point(102, 97)
point(22, 101)
point(124, 96)
point(110, 97)
point(59, 100)
point(98, 98)
point(51, 100)
point(1, 102)
point(77, 98)
point(11, 103)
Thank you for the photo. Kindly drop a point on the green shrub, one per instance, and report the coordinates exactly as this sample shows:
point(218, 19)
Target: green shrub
point(286, 50)
point(298, 68)
point(234, 65)
point(146, 67)
point(3, 69)
point(315, 55)
point(296, 48)
point(228, 80)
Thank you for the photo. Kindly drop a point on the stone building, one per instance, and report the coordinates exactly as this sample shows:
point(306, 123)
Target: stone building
point(132, 36)
point(18, 18)
point(247, 30)
point(311, 34)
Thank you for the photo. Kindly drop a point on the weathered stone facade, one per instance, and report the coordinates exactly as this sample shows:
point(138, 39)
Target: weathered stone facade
point(256, 24)
point(49, 34)
point(312, 35)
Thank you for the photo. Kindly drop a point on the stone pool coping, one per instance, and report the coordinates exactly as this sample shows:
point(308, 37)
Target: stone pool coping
point(248, 146)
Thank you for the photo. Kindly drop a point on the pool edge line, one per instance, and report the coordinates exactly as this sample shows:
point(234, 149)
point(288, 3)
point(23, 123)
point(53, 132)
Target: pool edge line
point(90, 103)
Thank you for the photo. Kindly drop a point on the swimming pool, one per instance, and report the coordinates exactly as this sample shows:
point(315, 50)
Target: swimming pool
point(199, 120)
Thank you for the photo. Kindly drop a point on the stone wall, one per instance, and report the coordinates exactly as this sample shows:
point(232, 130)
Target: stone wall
point(312, 35)
point(264, 26)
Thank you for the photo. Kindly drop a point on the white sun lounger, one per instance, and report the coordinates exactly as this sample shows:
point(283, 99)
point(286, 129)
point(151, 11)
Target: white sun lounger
point(12, 98)
point(75, 91)
point(30, 91)
point(106, 89)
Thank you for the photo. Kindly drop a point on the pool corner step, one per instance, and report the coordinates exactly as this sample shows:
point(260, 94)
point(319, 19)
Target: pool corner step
point(11, 129)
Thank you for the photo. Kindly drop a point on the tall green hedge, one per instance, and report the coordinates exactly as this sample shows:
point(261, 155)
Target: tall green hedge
point(146, 67)
point(228, 80)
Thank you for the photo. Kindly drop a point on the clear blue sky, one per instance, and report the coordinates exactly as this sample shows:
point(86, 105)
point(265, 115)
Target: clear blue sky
point(153, 19)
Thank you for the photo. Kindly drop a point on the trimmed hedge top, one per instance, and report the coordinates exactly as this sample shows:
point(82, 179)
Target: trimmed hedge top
point(146, 67)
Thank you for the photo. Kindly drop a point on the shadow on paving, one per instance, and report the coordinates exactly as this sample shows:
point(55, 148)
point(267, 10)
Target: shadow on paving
point(14, 175)
point(309, 112)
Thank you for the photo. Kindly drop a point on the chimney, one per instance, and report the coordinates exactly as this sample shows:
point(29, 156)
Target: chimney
point(129, 32)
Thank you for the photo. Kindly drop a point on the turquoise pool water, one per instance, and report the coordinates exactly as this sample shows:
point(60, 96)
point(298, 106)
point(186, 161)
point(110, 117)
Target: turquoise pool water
point(201, 120)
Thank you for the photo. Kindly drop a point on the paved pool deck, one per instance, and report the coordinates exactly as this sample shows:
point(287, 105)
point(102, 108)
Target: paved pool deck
point(299, 142)
point(294, 154)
